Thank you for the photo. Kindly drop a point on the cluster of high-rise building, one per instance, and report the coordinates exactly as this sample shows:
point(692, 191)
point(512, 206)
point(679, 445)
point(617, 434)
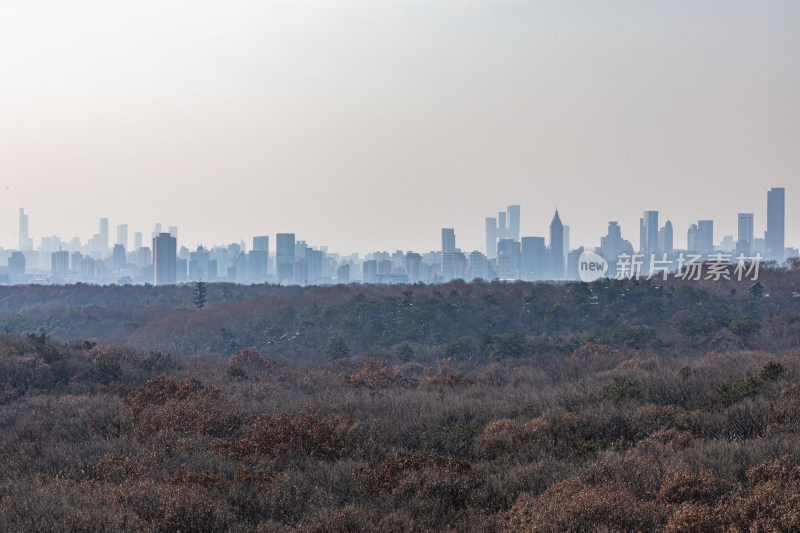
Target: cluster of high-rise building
point(159, 260)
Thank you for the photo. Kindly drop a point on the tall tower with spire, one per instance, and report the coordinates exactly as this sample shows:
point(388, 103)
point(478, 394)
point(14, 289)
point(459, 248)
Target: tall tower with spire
point(557, 247)
point(25, 242)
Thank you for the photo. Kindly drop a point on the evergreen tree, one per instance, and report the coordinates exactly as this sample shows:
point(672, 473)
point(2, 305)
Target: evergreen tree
point(199, 295)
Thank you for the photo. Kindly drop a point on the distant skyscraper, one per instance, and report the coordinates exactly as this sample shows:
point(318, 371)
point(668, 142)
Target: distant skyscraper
point(119, 256)
point(691, 238)
point(122, 235)
point(173, 230)
point(649, 233)
point(612, 245)
point(25, 242)
point(198, 265)
point(509, 257)
point(261, 244)
point(413, 263)
point(665, 239)
point(776, 219)
point(502, 225)
point(533, 259)
point(145, 256)
point(744, 241)
point(137, 241)
point(314, 261)
point(16, 265)
point(513, 222)
point(566, 241)
point(164, 259)
point(705, 236)
point(343, 274)
point(369, 271)
point(573, 258)
point(258, 259)
point(557, 247)
point(668, 244)
point(284, 256)
point(448, 253)
point(491, 237)
point(448, 240)
point(60, 263)
point(478, 267)
point(103, 234)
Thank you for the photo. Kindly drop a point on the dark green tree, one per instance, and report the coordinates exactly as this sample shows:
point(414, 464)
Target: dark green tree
point(199, 295)
point(337, 348)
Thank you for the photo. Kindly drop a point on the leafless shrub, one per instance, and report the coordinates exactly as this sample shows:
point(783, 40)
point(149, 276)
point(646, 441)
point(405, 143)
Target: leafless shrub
point(705, 487)
point(573, 506)
point(378, 374)
point(590, 350)
point(295, 434)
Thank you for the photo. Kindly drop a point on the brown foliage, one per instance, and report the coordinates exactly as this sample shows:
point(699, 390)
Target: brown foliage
point(261, 478)
point(591, 350)
point(204, 479)
point(251, 360)
point(295, 434)
point(574, 506)
point(451, 381)
point(499, 437)
point(116, 468)
point(432, 489)
point(670, 440)
point(771, 502)
point(557, 433)
point(378, 374)
point(187, 407)
point(116, 352)
point(777, 470)
point(385, 476)
point(705, 487)
point(175, 506)
point(635, 362)
point(693, 517)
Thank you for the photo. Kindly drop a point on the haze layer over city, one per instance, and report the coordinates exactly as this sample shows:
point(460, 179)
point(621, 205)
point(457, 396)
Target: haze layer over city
point(363, 126)
point(507, 254)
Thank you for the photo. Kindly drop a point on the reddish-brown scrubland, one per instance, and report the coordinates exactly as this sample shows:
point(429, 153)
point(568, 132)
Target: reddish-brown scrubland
point(683, 420)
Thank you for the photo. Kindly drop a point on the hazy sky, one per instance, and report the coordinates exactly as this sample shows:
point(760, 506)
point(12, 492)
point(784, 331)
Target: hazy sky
point(367, 125)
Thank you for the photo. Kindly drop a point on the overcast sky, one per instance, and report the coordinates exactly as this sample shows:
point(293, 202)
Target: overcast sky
point(367, 125)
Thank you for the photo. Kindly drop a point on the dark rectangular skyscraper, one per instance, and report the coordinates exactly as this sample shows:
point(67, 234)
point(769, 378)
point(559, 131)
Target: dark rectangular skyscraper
point(744, 242)
point(649, 233)
point(533, 258)
point(258, 259)
point(491, 237)
point(448, 253)
point(284, 256)
point(122, 235)
point(448, 240)
point(261, 244)
point(705, 236)
point(513, 222)
point(104, 234)
point(165, 266)
point(776, 219)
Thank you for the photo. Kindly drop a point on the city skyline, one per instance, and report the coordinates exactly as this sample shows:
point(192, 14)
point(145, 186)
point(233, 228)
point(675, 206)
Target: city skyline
point(731, 226)
point(513, 256)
